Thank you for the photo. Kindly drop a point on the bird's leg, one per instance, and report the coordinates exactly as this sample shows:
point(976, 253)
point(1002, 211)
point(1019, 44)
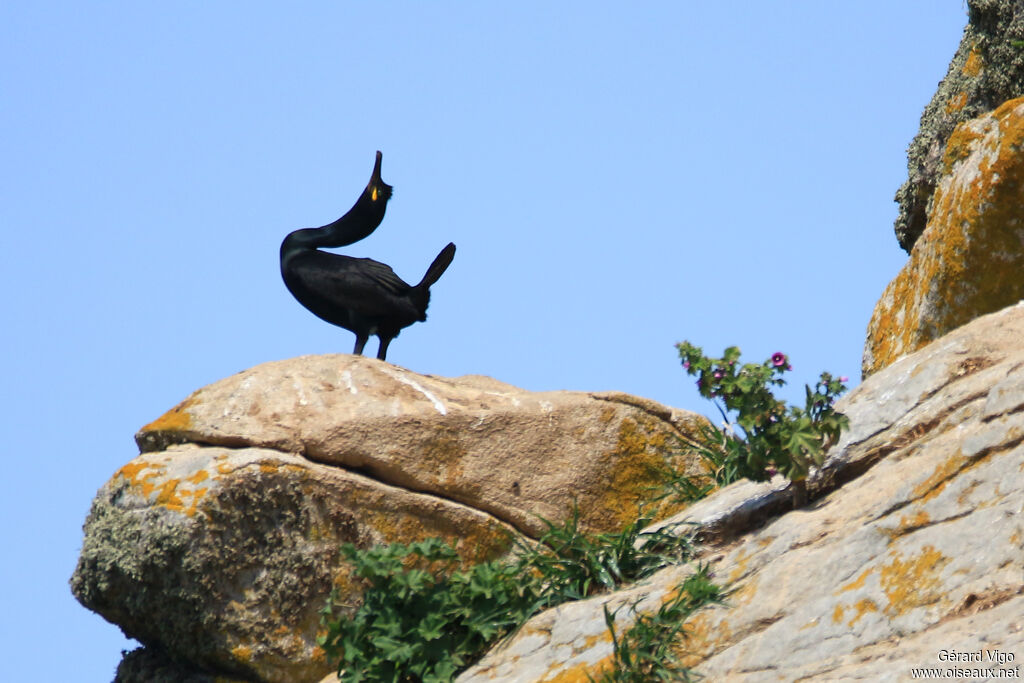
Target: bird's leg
point(383, 350)
point(360, 343)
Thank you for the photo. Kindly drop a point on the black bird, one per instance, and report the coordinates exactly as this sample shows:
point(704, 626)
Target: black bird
point(362, 295)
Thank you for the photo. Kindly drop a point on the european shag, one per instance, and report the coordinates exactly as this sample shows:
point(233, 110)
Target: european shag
point(362, 295)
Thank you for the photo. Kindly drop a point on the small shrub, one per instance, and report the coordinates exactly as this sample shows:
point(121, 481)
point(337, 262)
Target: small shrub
point(766, 436)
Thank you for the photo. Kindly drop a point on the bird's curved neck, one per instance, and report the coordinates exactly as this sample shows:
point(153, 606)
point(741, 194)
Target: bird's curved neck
point(302, 240)
point(340, 233)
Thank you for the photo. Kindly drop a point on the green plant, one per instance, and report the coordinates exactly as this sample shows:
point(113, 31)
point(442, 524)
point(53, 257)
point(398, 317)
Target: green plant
point(766, 436)
point(573, 565)
point(646, 651)
point(423, 619)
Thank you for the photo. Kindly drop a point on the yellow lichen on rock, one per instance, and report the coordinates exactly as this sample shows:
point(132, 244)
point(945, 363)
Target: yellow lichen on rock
point(970, 259)
point(175, 419)
point(862, 606)
point(956, 103)
point(704, 637)
point(154, 481)
point(581, 673)
point(913, 582)
point(974, 63)
point(639, 458)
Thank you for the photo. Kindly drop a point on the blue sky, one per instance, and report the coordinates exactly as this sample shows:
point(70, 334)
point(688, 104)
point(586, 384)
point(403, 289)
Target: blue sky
point(617, 177)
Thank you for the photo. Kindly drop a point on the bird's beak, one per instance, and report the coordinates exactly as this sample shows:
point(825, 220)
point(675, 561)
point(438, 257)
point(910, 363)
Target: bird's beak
point(376, 169)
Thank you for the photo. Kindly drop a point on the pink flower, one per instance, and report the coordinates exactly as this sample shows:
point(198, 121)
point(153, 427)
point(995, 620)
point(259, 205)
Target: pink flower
point(686, 365)
point(844, 379)
point(779, 359)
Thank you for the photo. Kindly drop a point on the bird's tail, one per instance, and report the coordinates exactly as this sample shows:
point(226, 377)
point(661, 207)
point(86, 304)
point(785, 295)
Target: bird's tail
point(421, 292)
point(437, 268)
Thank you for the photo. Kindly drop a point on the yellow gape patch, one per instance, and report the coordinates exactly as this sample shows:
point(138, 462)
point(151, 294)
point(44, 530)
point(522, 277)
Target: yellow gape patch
point(373, 195)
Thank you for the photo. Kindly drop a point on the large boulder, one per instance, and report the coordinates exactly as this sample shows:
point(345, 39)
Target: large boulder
point(970, 259)
point(223, 557)
point(916, 558)
point(218, 545)
point(987, 70)
point(511, 453)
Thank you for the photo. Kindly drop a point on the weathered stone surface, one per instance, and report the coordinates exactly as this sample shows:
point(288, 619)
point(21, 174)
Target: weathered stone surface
point(146, 665)
point(218, 545)
point(512, 453)
point(923, 552)
point(223, 557)
point(987, 70)
point(970, 260)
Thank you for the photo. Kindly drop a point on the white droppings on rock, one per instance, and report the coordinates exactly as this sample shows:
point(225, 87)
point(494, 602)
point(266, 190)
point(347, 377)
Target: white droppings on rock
point(346, 377)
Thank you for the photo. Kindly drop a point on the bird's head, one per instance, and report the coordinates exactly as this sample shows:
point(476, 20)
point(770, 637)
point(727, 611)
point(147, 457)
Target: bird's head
point(377, 190)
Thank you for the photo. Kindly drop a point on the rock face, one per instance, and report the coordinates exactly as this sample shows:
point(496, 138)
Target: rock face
point(970, 259)
point(224, 556)
point(218, 545)
point(987, 70)
point(510, 453)
point(921, 554)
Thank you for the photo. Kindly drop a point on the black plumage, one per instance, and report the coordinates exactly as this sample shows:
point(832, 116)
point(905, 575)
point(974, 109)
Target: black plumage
point(361, 295)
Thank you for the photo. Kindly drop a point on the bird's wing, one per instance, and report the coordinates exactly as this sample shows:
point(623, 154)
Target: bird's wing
point(382, 275)
point(361, 284)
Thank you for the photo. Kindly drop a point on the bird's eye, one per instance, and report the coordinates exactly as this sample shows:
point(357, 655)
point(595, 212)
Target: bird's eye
point(373, 195)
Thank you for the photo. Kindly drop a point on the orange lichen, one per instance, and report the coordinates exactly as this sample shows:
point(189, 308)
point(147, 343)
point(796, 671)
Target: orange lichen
point(174, 494)
point(592, 640)
point(862, 606)
point(637, 461)
point(703, 639)
point(968, 260)
point(133, 472)
point(168, 495)
point(956, 102)
point(961, 143)
point(913, 582)
point(473, 541)
point(242, 653)
point(973, 64)
point(856, 583)
point(915, 521)
point(175, 419)
point(740, 568)
point(580, 673)
point(583, 671)
point(745, 594)
point(197, 495)
point(939, 478)
point(446, 452)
